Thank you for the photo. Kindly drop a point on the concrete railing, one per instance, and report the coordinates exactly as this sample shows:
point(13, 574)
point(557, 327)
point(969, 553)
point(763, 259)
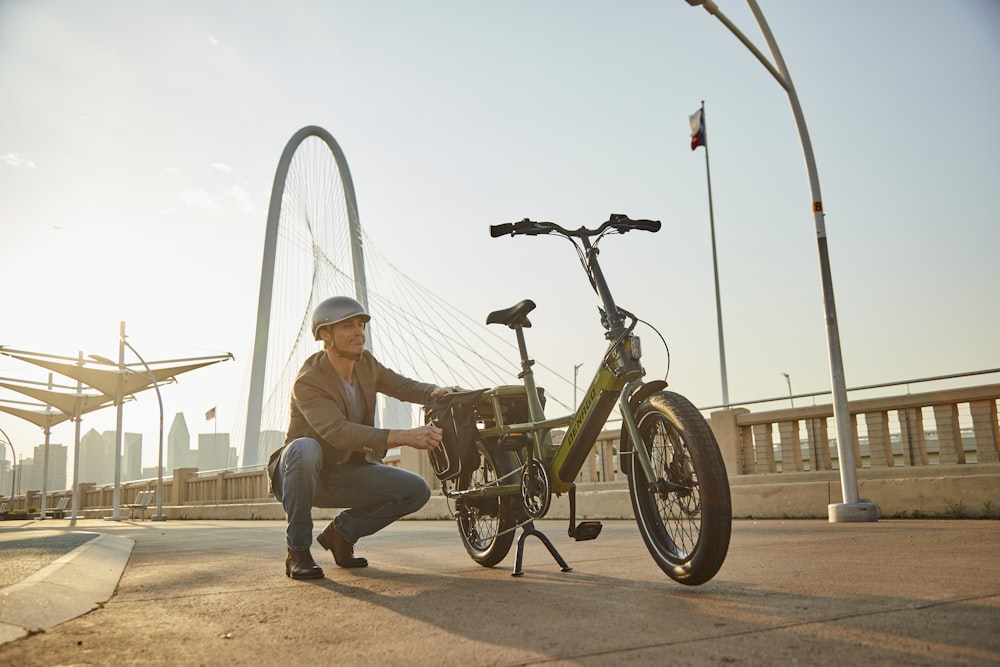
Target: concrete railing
point(929, 454)
point(926, 454)
point(957, 426)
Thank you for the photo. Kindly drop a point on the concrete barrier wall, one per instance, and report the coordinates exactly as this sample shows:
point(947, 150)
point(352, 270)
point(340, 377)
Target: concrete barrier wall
point(935, 454)
point(944, 492)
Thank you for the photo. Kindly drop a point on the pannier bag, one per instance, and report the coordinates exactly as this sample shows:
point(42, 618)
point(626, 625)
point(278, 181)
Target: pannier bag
point(454, 414)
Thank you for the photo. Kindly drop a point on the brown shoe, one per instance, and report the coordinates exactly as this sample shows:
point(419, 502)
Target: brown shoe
point(300, 565)
point(341, 547)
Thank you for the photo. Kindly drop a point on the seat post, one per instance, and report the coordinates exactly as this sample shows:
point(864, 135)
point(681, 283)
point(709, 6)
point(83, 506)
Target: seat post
point(535, 409)
point(522, 348)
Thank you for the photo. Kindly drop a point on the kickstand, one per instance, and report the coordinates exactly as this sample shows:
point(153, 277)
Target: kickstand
point(529, 529)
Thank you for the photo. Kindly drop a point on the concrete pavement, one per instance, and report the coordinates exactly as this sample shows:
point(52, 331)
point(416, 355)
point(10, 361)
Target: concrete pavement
point(902, 592)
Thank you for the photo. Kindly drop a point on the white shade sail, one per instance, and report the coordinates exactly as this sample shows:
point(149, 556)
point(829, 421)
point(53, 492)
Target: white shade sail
point(41, 418)
point(65, 402)
point(105, 380)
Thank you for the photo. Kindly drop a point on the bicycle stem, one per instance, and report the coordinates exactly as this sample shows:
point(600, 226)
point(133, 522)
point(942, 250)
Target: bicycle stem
point(600, 285)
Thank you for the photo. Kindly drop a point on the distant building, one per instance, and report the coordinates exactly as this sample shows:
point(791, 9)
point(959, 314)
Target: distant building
point(97, 463)
point(6, 473)
point(131, 465)
point(270, 441)
point(6, 477)
point(214, 452)
point(132, 457)
point(149, 472)
point(179, 453)
point(25, 469)
point(56, 481)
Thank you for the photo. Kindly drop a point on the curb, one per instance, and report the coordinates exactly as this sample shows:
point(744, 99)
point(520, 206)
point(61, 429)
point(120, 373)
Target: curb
point(71, 586)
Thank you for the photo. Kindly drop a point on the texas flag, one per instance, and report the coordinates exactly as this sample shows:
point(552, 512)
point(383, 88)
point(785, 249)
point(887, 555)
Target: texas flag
point(697, 120)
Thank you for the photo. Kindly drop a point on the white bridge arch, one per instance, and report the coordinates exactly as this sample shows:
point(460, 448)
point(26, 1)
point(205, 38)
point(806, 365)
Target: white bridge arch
point(315, 247)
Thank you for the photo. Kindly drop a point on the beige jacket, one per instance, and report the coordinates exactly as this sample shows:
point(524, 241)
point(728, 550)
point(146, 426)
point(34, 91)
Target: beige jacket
point(319, 406)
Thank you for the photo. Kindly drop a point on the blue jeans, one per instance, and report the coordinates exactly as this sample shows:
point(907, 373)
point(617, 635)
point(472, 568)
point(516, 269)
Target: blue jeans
point(375, 495)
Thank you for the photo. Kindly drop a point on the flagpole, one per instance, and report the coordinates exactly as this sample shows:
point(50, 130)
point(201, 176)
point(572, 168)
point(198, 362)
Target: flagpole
point(211, 414)
point(715, 266)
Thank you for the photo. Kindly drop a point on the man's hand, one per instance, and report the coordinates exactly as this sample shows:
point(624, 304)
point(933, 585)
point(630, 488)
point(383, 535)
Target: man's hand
point(441, 391)
point(424, 437)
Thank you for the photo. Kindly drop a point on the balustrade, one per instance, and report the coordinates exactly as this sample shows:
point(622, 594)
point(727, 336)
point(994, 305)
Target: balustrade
point(951, 434)
point(957, 426)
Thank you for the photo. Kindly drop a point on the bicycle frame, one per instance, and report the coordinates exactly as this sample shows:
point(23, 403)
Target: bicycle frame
point(563, 462)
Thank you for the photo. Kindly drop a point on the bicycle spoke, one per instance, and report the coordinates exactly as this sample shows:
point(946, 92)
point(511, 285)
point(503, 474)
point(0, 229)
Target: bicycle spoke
point(676, 493)
point(685, 513)
point(483, 520)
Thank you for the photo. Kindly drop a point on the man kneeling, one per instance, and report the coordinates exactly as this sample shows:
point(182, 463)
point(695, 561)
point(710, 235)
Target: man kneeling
point(332, 456)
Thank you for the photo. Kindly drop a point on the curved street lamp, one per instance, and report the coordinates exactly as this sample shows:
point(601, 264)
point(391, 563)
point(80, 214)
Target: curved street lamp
point(788, 379)
point(159, 465)
point(852, 508)
point(156, 387)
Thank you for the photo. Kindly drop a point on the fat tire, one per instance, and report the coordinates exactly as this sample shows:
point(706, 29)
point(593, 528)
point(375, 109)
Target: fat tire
point(486, 525)
point(686, 519)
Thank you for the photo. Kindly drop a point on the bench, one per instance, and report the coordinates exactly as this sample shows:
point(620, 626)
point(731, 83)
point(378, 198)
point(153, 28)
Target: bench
point(59, 509)
point(142, 501)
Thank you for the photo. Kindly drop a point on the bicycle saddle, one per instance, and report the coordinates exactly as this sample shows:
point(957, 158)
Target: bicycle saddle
point(515, 316)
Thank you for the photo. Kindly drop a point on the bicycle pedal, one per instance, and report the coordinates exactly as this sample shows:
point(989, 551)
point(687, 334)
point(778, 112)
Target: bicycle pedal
point(587, 530)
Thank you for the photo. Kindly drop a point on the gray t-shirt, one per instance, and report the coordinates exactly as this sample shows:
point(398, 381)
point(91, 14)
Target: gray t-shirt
point(355, 411)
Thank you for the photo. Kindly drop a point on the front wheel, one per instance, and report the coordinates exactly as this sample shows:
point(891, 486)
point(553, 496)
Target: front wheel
point(486, 524)
point(685, 515)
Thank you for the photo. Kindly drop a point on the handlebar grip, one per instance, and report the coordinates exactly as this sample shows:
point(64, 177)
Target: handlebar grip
point(501, 229)
point(647, 225)
point(532, 228)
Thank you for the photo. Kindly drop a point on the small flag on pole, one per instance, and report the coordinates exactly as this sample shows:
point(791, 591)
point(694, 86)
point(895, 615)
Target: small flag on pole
point(210, 415)
point(698, 138)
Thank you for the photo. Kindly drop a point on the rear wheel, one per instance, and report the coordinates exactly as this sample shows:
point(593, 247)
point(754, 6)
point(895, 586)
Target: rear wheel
point(486, 524)
point(685, 515)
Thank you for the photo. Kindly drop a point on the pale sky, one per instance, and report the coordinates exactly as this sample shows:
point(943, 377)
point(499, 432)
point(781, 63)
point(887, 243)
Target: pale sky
point(139, 140)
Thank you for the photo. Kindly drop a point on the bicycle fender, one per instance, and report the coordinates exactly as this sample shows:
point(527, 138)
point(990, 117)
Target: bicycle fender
point(644, 392)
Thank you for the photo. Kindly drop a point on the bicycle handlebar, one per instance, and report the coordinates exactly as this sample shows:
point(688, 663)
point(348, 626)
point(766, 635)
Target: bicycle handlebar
point(619, 222)
point(501, 229)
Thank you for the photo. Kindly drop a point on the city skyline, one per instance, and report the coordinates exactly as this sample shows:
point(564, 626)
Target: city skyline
point(213, 452)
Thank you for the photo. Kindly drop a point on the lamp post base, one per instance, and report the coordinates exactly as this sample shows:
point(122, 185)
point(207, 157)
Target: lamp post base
point(861, 511)
point(158, 517)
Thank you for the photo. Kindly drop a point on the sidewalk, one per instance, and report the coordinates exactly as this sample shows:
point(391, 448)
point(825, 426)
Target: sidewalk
point(214, 593)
